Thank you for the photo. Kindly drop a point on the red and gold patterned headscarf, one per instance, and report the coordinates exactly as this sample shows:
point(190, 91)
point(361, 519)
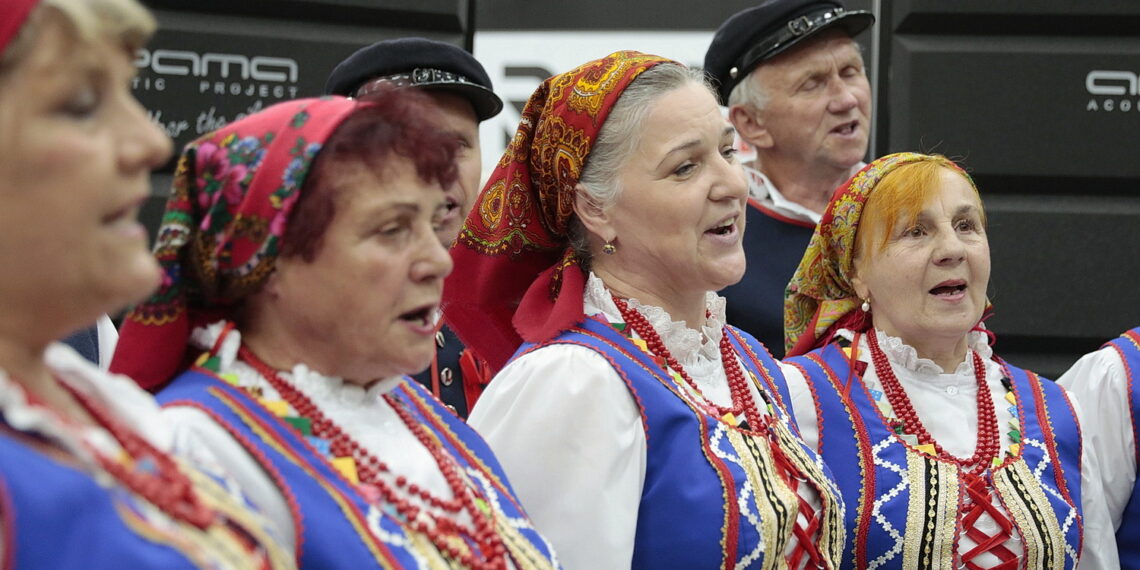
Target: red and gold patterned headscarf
point(516, 278)
point(820, 298)
point(13, 14)
point(220, 236)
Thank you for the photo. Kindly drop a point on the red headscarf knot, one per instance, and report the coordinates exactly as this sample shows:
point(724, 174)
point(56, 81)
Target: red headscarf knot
point(515, 277)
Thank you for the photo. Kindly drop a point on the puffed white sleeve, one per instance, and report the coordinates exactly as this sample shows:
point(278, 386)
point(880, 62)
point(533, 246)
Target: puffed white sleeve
point(198, 439)
point(803, 404)
point(1098, 545)
point(1098, 381)
point(570, 437)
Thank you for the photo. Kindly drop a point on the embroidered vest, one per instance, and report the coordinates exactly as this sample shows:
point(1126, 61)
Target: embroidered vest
point(902, 504)
point(712, 497)
point(1128, 535)
point(57, 516)
point(336, 526)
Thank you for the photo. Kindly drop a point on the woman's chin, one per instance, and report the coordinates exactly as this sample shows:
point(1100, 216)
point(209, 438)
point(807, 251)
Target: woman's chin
point(729, 273)
point(134, 283)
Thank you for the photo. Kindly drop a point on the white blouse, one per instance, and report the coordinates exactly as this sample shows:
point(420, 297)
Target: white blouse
point(570, 437)
point(359, 412)
point(1100, 381)
point(947, 405)
point(128, 403)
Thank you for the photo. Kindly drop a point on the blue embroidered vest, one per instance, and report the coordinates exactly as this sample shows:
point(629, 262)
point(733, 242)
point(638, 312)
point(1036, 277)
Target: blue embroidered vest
point(337, 526)
point(712, 497)
point(1128, 535)
point(53, 515)
point(902, 504)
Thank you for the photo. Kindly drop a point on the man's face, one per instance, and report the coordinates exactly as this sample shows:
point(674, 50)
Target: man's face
point(818, 103)
point(457, 117)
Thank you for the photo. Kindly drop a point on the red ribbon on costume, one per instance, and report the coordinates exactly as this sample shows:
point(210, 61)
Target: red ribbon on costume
point(516, 278)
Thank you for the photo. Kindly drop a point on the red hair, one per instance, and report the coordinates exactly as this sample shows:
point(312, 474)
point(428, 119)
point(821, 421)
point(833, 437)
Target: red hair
point(392, 124)
point(899, 197)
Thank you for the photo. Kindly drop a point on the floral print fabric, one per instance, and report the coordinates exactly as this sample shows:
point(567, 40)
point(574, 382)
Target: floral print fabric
point(220, 236)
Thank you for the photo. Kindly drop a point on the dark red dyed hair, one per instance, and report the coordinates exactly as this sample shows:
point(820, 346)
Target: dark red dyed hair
point(394, 124)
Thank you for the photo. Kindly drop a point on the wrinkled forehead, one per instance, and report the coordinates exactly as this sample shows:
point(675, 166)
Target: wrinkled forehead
point(903, 195)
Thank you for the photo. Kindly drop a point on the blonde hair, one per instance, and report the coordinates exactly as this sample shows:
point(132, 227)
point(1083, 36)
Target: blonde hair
point(901, 194)
point(88, 20)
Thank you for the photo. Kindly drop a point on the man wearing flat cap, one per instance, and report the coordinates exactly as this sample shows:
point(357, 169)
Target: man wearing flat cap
point(464, 97)
point(792, 77)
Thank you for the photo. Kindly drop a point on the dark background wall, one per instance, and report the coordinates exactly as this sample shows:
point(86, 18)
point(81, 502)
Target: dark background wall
point(1039, 100)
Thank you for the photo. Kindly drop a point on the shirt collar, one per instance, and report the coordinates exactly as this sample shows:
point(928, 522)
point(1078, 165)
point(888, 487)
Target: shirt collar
point(761, 189)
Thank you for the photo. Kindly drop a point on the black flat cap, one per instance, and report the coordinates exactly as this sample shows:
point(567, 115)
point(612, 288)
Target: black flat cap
point(751, 37)
point(416, 62)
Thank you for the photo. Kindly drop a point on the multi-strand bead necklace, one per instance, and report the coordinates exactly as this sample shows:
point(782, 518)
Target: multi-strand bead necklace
point(150, 473)
point(439, 522)
point(808, 524)
point(742, 403)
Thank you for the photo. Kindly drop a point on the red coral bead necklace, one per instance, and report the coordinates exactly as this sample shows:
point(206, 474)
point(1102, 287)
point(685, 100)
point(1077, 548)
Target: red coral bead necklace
point(742, 401)
point(151, 474)
point(370, 468)
point(988, 439)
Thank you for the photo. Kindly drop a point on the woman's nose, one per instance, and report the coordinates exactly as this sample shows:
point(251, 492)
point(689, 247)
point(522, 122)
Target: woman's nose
point(144, 145)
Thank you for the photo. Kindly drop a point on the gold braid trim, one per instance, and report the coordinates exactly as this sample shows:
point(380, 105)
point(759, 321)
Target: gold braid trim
point(932, 513)
point(1032, 514)
point(775, 502)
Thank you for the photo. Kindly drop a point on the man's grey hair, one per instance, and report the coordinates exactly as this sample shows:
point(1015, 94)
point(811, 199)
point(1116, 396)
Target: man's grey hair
point(749, 92)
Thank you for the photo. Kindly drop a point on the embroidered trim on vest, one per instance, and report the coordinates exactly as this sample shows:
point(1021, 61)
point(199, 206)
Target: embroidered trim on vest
point(766, 504)
point(1127, 346)
point(263, 462)
point(1043, 506)
point(270, 436)
point(865, 456)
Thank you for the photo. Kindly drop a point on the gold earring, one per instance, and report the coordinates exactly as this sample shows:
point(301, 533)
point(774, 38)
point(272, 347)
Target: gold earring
point(609, 248)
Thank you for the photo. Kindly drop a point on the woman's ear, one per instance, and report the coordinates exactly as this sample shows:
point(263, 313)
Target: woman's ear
point(271, 289)
point(857, 282)
point(592, 216)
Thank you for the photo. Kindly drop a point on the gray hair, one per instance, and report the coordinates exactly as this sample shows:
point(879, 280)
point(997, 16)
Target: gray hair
point(749, 92)
point(619, 138)
point(88, 20)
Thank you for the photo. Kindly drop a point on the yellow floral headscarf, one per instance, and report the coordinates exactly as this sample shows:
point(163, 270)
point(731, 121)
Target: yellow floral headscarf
point(820, 297)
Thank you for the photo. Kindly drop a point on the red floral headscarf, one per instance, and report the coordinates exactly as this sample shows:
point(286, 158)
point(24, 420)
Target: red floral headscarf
point(516, 278)
point(220, 236)
point(820, 298)
point(13, 14)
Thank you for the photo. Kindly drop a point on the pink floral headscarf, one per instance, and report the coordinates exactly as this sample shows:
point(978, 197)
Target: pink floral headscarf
point(221, 233)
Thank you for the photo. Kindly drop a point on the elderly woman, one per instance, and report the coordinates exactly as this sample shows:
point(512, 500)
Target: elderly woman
point(950, 456)
point(86, 475)
point(638, 428)
point(1106, 381)
point(302, 274)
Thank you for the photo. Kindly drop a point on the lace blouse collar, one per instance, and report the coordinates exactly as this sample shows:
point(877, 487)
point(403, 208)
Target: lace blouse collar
point(309, 381)
point(905, 356)
point(698, 352)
